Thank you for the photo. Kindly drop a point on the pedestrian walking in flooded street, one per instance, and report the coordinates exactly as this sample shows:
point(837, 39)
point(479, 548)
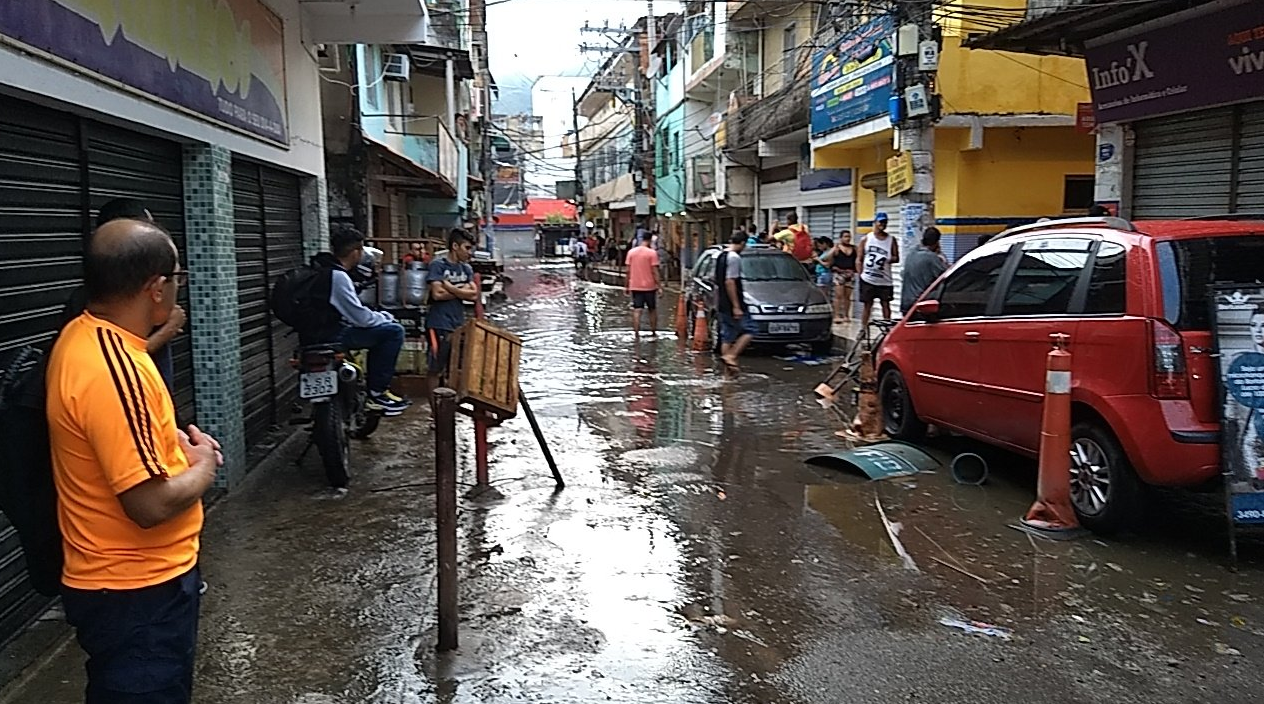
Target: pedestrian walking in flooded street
point(737, 329)
point(643, 283)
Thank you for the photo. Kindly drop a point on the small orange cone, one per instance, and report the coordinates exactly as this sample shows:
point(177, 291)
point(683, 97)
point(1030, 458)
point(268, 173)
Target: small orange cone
point(1052, 515)
point(682, 318)
point(699, 328)
point(868, 424)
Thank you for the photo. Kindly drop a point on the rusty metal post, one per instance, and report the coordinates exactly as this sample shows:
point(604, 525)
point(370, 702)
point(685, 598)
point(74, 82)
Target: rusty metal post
point(445, 514)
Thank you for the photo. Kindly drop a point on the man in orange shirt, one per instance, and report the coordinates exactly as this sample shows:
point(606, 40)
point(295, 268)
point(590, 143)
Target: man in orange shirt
point(129, 483)
point(643, 283)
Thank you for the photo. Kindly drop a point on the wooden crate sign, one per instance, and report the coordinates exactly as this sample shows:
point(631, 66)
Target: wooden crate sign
point(484, 367)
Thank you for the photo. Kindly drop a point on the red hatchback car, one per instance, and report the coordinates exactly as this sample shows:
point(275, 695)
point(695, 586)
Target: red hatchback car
point(1133, 300)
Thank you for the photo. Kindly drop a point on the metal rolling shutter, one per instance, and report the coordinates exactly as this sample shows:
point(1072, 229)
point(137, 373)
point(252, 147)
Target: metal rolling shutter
point(820, 220)
point(1251, 160)
point(283, 228)
point(1182, 165)
point(123, 164)
point(41, 228)
point(828, 220)
point(252, 302)
point(269, 241)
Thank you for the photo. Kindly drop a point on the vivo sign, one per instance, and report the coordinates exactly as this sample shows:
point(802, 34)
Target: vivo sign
point(1212, 59)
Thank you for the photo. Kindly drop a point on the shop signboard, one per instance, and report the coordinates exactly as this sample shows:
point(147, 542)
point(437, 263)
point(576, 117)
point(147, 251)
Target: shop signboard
point(899, 173)
point(1195, 61)
point(852, 77)
point(1239, 333)
point(223, 60)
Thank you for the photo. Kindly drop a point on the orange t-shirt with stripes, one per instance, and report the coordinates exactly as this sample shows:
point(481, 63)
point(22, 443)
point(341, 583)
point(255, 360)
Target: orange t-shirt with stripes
point(112, 425)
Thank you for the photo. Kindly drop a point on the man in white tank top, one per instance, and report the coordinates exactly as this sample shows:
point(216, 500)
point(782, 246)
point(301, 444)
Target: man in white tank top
point(877, 252)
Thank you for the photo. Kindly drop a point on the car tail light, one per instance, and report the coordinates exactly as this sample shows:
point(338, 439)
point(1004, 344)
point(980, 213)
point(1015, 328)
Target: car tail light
point(1168, 377)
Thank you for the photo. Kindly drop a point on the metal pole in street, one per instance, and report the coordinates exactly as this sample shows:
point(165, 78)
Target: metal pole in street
point(539, 436)
point(445, 515)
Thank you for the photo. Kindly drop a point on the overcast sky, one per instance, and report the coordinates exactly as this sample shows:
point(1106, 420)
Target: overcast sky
point(541, 37)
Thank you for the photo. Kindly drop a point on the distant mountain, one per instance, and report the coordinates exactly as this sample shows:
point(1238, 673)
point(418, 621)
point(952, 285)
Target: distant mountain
point(515, 95)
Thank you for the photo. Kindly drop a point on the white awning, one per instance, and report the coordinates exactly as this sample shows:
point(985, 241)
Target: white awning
point(365, 21)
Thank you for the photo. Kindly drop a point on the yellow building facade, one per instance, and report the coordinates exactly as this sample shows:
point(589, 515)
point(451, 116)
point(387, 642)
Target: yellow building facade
point(1007, 150)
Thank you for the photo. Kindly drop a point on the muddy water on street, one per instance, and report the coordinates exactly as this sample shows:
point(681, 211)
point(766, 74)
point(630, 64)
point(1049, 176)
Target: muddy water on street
point(693, 558)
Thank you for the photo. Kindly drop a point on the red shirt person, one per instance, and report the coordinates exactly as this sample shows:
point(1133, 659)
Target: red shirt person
point(643, 283)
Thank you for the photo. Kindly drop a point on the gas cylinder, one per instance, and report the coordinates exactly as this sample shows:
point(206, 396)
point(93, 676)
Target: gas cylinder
point(414, 284)
point(388, 287)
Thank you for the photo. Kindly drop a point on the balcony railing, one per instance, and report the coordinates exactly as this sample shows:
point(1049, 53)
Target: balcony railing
point(428, 142)
point(777, 114)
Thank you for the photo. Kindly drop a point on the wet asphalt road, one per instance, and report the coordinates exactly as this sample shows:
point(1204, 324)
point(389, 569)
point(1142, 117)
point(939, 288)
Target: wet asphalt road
point(694, 558)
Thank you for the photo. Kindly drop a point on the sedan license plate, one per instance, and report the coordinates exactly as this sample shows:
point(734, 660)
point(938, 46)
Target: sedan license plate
point(317, 384)
point(783, 328)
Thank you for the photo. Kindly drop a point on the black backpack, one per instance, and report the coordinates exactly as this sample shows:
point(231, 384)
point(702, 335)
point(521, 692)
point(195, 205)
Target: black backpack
point(28, 496)
point(300, 299)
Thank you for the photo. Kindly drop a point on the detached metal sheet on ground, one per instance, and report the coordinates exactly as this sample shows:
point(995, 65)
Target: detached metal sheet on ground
point(881, 461)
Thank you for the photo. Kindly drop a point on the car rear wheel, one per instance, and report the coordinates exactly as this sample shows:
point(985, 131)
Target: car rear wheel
point(1105, 491)
point(899, 418)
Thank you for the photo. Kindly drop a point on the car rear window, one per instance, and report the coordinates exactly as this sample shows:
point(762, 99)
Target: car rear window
point(1187, 267)
point(772, 267)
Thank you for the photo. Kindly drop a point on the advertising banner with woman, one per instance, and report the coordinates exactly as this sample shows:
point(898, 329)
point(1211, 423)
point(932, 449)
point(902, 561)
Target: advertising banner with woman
point(1239, 331)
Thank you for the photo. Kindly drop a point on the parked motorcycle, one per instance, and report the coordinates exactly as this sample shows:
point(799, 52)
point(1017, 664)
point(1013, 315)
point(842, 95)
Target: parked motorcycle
point(333, 383)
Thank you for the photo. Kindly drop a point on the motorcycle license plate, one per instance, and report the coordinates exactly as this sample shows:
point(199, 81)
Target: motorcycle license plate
point(317, 384)
point(783, 328)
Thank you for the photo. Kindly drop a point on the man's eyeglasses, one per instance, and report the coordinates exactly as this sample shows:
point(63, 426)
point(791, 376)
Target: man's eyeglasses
point(180, 277)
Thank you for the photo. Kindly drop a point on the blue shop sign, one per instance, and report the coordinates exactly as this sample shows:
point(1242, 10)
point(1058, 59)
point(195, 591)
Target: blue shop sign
point(852, 78)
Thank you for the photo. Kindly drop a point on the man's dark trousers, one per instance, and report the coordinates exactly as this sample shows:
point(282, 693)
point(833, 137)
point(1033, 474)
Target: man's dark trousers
point(141, 643)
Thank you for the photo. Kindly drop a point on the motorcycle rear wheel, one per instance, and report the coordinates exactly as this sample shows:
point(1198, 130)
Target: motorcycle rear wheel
point(330, 436)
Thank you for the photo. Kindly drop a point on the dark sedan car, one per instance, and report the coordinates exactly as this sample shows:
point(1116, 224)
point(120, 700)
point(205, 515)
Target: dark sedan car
point(783, 301)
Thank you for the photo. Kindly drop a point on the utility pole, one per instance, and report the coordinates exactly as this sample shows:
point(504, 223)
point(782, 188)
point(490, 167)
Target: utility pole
point(579, 178)
point(640, 101)
point(917, 65)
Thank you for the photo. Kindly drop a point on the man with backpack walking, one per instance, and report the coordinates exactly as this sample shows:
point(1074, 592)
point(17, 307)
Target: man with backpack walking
point(736, 327)
point(129, 482)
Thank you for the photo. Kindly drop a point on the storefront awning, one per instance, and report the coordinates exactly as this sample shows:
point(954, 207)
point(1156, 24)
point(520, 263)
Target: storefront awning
point(621, 188)
point(1065, 30)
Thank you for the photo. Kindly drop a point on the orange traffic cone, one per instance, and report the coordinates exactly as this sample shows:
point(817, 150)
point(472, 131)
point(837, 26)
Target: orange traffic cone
point(699, 328)
point(682, 318)
point(1052, 515)
point(867, 427)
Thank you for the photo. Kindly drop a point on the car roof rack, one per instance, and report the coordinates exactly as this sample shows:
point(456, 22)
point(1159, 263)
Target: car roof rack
point(1107, 221)
point(1228, 217)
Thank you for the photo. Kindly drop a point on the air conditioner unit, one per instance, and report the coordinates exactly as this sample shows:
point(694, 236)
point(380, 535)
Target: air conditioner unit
point(395, 67)
point(328, 58)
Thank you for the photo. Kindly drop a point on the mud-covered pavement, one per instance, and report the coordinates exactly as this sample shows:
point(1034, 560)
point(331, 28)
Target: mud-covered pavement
point(693, 557)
